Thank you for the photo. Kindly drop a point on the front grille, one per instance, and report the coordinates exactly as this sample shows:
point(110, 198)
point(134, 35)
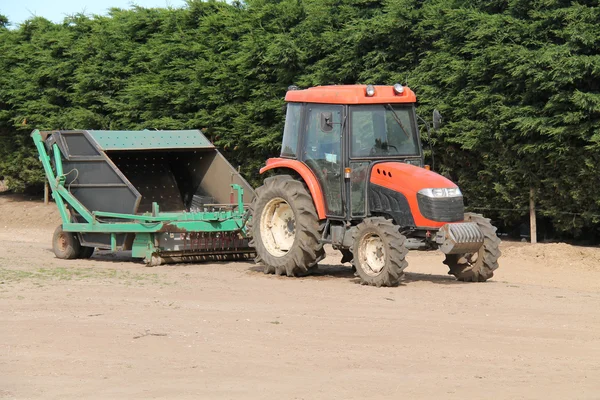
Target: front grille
point(444, 209)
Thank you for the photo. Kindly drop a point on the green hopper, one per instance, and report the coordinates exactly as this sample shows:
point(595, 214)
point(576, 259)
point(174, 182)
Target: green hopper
point(167, 196)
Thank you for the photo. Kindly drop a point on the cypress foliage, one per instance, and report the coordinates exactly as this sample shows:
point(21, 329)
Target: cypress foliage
point(517, 82)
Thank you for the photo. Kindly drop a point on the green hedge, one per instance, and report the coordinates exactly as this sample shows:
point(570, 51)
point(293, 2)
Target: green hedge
point(518, 83)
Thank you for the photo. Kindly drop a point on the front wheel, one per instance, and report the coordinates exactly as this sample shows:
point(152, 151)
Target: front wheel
point(379, 252)
point(479, 266)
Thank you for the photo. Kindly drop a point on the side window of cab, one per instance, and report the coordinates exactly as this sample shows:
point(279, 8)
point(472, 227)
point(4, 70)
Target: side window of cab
point(293, 118)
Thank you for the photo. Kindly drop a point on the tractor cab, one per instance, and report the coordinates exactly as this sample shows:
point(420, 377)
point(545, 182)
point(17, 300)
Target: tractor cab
point(351, 174)
point(340, 131)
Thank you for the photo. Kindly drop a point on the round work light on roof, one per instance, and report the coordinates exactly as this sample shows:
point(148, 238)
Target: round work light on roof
point(370, 90)
point(398, 88)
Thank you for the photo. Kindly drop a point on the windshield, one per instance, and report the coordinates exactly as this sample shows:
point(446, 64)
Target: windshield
point(383, 130)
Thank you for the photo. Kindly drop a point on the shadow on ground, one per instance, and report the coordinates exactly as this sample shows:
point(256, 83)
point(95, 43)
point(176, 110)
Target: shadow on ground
point(332, 271)
point(324, 272)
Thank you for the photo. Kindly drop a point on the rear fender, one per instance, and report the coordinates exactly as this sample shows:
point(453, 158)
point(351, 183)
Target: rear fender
point(307, 175)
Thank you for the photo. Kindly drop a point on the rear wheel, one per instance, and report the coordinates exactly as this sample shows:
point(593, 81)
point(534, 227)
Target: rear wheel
point(285, 227)
point(479, 266)
point(65, 244)
point(379, 252)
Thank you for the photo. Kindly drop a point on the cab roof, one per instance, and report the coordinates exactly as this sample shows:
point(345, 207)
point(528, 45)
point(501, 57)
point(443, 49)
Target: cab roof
point(350, 94)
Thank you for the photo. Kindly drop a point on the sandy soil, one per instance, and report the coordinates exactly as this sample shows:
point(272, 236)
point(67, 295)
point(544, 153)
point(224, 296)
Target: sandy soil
point(109, 328)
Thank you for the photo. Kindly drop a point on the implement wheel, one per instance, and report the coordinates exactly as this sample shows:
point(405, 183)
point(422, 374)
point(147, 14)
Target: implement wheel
point(479, 266)
point(379, 252)
point(86, 252)
point(285, 227)
point(65, 244)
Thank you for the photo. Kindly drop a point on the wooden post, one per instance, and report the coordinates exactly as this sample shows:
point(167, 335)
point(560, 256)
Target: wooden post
point(46, 193)
point(532, 222)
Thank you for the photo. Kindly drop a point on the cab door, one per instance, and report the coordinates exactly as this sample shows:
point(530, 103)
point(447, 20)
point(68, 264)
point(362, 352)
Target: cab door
point(322, 152)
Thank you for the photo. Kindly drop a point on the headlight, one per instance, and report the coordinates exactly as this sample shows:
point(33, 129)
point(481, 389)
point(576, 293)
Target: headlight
point(414, 161)
point(370, 90)
point(452, 192)
point(398, 88)
point(441, 192)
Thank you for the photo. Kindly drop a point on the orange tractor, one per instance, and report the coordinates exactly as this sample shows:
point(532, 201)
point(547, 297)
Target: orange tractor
point(351, 173)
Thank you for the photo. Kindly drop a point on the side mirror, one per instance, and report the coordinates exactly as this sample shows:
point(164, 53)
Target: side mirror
point(326, 121)
point(437, 119)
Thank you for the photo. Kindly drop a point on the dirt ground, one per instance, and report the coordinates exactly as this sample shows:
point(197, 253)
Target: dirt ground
point(109, 328)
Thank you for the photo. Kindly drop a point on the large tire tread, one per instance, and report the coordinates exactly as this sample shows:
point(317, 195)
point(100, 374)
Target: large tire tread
point(306, 251)
point(487, 261)
point(395, 248)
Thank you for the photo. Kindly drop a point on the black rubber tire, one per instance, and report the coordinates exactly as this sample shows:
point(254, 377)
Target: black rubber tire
point(487, 257)
point(86, 252)
point(394, 247)
point(306, 251)
point(347, 256)
point(65, 244)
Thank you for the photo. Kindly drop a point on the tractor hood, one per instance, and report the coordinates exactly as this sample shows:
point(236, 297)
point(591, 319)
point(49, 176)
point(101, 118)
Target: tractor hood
point(427, 212)
point(404, 178)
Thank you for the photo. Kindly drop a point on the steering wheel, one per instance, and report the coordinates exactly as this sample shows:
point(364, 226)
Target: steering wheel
point(375, 151)
point(324, 168)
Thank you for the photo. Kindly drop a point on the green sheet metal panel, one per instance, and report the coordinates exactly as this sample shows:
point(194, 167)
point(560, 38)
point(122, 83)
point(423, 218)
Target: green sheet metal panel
point(149, 140)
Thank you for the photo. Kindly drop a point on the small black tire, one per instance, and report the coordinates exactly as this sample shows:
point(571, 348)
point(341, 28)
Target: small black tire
point(86, 252)
point(65, 244)
point(305, 250)
point(486, 261)
point(378, 241)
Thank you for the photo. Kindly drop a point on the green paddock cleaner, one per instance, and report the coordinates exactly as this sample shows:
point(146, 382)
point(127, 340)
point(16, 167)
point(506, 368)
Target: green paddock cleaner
point(168, 196)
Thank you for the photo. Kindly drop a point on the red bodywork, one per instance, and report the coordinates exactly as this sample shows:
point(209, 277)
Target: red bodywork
point(399, 177)
point(350, 94)
point(408, 180)
point(307, 175)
